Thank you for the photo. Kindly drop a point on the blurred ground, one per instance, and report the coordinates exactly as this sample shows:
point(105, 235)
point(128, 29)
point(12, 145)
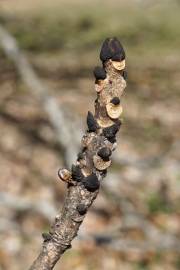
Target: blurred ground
point(140, 202)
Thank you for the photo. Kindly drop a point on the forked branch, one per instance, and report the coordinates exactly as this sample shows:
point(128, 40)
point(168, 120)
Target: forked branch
point(98, 143)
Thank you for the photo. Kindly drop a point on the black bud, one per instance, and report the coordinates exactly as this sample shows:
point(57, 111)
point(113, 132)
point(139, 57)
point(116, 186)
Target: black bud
point(80, 156)
point(119, 56)
point(115, 101)
point(91, 182)
point(104, 153)
point(125, 74)
point(110, 132)
point(76, 173)
point(112, 49)
point(91, 122)
point(99, 73)
point(82, 209)
point(46, 236)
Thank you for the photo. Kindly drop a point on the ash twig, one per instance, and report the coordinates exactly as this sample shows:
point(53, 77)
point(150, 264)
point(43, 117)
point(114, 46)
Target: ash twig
point(84, 181)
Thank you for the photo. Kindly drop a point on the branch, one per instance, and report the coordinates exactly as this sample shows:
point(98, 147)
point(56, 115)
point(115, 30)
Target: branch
point(166, 243)
point(29, 77)
point(163, 243)
point(67, 132)
point(97, 144)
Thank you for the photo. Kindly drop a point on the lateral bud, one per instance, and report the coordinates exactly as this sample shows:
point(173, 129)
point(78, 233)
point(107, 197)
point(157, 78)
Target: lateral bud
point(76, 173)
point(91, 122)
point(104, 153)
point(65, 175)
point(91, 182)
point(82, 209)
point(110, 132)
point(99, 73)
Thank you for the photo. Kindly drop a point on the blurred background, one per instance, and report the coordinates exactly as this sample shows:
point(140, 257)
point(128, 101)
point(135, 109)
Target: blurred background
point(134, 223)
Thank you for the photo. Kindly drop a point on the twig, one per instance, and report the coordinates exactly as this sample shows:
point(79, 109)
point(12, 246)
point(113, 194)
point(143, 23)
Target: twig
point(97, 145)
point(144, 246)
point(67, 136)
point(29, 77)
point(163, 243)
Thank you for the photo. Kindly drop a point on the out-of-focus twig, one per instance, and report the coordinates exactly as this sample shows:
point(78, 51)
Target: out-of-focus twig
point(56, 115)
point(163, 243)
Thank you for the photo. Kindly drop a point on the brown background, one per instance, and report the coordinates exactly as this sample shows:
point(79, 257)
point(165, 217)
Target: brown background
point(137, 207)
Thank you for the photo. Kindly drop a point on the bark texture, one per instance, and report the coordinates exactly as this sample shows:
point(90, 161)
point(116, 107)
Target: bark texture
point(98, 143)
